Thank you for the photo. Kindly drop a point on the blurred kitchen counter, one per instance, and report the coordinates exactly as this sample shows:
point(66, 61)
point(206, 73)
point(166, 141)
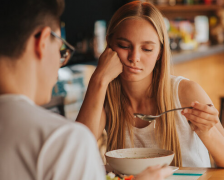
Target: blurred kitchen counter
point(202, 51)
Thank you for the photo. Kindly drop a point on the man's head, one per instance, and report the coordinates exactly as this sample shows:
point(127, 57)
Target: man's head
point(27, 46)
point(19, 19)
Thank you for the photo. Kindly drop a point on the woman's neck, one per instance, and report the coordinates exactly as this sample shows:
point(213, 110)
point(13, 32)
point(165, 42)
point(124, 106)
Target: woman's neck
point(138, 93)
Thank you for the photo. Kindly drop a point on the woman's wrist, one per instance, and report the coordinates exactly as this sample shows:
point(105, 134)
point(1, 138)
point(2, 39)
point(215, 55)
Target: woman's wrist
point(207, 135)
point(100, 80)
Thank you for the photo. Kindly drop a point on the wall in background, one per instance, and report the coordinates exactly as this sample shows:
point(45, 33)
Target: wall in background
point(79, 16)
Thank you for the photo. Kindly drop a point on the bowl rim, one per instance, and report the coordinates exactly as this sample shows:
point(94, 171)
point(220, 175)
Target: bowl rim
point(171, 153)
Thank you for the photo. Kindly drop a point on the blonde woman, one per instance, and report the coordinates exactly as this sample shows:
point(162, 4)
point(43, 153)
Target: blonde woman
point(133, 75)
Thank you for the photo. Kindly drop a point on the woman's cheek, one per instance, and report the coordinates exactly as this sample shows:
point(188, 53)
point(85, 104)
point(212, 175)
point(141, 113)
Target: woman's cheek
point(153, 56)
point(122, 54)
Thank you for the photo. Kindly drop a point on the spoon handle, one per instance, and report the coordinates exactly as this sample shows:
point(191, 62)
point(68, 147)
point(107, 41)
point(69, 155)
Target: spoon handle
point(182, 108)
point(176, 109)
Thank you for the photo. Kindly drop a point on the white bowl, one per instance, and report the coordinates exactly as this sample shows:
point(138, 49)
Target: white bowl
point(135, 160)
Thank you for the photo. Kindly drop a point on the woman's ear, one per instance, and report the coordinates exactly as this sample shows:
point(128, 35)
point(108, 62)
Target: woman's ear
point(41, 42)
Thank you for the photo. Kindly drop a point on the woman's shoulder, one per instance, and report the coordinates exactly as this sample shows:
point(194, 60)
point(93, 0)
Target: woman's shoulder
point(176, 78)
point(184, 85)
point(190, 91)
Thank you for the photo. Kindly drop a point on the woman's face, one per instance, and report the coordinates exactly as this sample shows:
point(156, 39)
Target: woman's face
point(137, 44)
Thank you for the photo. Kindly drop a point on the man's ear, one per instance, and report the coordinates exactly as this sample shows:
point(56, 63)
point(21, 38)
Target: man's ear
point(41, 42)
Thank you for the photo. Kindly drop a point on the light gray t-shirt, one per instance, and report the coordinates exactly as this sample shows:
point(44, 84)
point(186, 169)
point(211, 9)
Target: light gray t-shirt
point(37, 144)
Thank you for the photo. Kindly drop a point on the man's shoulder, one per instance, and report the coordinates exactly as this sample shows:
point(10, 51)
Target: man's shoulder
point(70, 147)
point(40, 115)
point(76, 130)
point(49, 123)
point(27, 117)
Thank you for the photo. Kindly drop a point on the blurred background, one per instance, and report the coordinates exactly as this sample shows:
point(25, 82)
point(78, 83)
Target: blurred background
point(196, 36)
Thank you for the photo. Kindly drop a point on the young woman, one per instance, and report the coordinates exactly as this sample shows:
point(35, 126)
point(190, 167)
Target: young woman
point(133, 76)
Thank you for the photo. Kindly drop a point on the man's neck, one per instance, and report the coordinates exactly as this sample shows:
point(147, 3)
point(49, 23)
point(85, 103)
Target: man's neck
point(16, 78)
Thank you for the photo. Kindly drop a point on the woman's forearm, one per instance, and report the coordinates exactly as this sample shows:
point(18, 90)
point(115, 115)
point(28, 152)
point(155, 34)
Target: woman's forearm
point(91, 110)
point(214, 141)
point(109, 67)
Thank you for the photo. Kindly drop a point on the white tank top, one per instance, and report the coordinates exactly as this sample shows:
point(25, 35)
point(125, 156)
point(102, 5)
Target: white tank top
point(193, 151)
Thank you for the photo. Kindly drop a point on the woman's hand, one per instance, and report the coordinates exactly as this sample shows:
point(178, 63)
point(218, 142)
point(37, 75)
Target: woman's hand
point(109, 66)
point(202, 116)
point(154, 173)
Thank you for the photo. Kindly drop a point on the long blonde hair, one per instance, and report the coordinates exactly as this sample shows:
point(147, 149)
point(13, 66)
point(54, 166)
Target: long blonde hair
point(116, 102)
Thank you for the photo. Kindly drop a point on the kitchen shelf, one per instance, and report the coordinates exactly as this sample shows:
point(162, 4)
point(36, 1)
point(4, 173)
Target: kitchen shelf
point(188, 11)
point(203, 51)
point(189, 8)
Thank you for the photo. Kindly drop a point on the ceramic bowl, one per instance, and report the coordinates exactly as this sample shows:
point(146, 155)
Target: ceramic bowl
point(135, 160)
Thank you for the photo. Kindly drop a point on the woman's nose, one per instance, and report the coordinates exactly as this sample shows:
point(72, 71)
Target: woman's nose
point(134, 56)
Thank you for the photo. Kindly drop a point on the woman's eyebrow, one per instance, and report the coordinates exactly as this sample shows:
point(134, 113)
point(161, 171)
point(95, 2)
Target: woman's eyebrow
point(144, 42)
point(123, 39)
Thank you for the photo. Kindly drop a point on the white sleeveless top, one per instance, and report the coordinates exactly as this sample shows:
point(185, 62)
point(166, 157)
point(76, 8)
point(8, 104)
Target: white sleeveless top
point(193, 151)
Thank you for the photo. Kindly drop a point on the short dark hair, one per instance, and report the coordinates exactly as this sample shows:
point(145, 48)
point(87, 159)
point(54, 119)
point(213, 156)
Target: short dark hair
point(20, 18)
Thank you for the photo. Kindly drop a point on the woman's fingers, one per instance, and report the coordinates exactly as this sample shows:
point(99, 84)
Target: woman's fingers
point(205, 108)
point(202, 116)
point(202, 113)
point(109, 64)
point(200, 121)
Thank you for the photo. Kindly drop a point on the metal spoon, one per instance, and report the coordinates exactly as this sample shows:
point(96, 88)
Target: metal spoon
point(150, 118)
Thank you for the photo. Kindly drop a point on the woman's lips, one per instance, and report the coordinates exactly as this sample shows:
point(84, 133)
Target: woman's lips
point(133, 69)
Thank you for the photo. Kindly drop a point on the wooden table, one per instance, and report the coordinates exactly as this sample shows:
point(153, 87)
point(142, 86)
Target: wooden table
point(210, 174)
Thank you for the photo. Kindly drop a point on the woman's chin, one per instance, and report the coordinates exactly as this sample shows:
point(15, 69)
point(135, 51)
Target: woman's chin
point(131, 77)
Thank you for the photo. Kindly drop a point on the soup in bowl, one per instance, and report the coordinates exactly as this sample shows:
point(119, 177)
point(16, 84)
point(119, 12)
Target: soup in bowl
point(135, 160)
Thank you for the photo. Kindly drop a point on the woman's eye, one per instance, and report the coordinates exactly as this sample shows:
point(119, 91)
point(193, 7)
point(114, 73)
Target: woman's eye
point(123, 47)
point(147, 50)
